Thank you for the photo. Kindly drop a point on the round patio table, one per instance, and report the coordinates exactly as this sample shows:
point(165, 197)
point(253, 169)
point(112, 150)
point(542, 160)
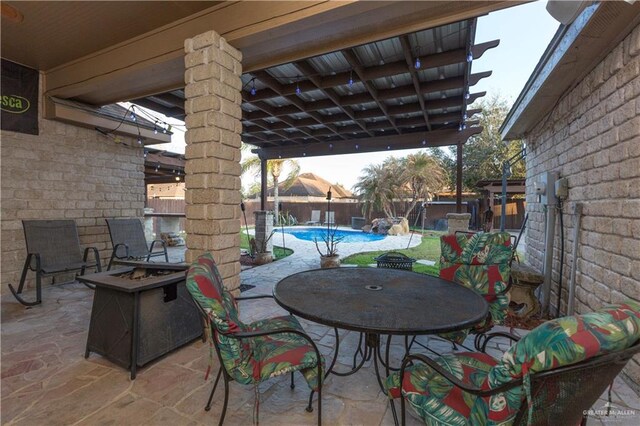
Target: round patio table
point(378, 301)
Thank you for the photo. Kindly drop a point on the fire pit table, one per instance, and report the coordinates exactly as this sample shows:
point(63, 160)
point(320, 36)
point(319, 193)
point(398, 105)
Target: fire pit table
point(140, 312)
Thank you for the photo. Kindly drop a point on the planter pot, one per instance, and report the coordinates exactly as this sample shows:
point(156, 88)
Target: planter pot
point(263, 258)
point(330, 261)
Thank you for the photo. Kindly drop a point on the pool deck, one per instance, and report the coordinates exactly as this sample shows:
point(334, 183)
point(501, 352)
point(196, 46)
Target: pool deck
point(305, 255)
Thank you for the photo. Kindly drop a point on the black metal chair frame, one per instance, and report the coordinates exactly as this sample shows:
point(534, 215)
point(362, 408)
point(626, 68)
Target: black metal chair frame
point(35, 257)
point(243, 335)
point(572, 413)
point(127, 256)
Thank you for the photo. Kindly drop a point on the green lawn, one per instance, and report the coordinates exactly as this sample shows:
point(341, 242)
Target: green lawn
point(428, 249)
point(278, 252)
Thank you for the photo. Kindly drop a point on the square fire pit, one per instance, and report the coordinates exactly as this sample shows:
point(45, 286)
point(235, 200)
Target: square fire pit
point(140, 312)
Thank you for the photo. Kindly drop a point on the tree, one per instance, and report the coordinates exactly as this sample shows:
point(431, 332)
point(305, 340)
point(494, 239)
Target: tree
point(423, 176)
point(484, 154)
point(275, 168)
point(413, 178)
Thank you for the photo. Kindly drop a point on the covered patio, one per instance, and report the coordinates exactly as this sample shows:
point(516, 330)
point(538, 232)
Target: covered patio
point(45, 378)
point(293, 79)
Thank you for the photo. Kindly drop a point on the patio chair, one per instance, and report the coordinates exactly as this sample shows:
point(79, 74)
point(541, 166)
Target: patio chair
point(551, 376)
point(330, 218)
point(315, 218)
point(482, 262)
point(53, 248)
point(251, 353)
point(129, 242)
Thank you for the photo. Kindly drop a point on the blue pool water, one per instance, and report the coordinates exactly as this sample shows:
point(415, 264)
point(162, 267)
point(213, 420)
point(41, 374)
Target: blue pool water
point(309, 234)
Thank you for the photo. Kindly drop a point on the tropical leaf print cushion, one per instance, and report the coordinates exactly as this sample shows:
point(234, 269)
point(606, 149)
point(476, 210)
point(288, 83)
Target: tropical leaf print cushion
point(249, 360)
point(557, 343)
point(480, 262)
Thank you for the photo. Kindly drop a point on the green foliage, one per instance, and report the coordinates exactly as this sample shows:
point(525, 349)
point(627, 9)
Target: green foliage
point(412, 178)
point(278, 252)
point(484, 154)
point(428, 249)
point(275, 168)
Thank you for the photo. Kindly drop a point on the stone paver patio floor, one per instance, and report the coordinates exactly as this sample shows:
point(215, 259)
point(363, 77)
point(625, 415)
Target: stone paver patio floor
point(46, 380)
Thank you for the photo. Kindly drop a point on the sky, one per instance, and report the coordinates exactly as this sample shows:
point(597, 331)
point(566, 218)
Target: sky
point(524, 32)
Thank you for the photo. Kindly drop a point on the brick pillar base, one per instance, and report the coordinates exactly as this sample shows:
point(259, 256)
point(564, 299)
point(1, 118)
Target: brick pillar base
point(212, 105)
point(264, 228)
point(458, 222)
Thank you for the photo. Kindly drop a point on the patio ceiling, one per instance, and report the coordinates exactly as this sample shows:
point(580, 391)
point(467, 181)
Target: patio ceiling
point(366, 98)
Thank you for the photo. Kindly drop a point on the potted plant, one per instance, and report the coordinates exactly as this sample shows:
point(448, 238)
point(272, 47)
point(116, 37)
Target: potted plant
point(259, 248)
point(329, 255)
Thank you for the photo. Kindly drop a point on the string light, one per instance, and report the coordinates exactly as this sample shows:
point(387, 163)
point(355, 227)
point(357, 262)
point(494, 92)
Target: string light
point(139, 141)
point(467, 95)
point(417, 64)
point(350, 78)
point(253, 87)
point(155, 128)
point(469, 57)
point(357, 146)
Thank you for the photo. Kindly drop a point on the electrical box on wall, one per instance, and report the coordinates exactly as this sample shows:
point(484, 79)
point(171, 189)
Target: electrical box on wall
point(545, 188)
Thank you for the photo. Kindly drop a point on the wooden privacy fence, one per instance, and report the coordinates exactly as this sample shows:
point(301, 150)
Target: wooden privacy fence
point(435, 213)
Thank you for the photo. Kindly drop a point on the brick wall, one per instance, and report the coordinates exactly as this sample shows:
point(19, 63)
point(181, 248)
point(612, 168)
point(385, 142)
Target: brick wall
point(66, 172)
point(592, 137)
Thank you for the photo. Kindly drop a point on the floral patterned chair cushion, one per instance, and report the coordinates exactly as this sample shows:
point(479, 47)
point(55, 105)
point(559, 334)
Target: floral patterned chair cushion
point(480, 262)
point(248, 360)
point(557, 343)
point(438, 402)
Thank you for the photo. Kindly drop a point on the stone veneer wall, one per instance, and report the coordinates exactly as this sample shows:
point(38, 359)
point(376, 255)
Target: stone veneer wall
point(66, 172)
point(592, 137)
point(213, 69)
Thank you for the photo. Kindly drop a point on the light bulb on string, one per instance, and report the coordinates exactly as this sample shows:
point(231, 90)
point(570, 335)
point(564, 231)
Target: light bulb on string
point(253, 87)
point(298, 91)
point(155, 128)
point(351, 78)
point(467, 95)
point(469, 57)
point(417, 64)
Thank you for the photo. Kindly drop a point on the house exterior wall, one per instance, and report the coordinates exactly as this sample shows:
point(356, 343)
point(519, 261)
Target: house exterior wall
point(592, 137)
point(66, 172)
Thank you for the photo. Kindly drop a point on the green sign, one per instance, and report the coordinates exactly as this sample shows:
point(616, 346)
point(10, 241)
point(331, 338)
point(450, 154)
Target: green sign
point(19, 98)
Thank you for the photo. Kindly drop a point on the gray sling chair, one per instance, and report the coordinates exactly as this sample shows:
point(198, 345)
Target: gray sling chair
point(53, 247)
point(129, 242)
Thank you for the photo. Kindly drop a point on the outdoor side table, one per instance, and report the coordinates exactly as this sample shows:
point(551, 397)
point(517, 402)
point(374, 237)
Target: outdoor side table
point(134, 321)
point(378, 301)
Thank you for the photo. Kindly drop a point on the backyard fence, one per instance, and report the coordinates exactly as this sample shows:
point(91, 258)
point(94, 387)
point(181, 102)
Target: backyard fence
point(434, 215)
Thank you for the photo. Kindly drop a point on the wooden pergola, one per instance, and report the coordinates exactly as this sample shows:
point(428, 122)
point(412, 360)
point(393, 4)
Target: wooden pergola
point(408, 91)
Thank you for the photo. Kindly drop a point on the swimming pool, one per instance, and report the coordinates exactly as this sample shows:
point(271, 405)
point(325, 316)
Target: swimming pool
point(310, 234)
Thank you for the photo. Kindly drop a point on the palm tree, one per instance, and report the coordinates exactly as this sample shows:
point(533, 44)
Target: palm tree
point(373, 190)
point(423, 176)
point(417, 176)
point(274, 169)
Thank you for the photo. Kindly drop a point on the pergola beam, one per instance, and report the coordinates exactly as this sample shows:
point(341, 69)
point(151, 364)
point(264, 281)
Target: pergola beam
point(380, 143)
point(351, 58)
point(308, 70)
point(408, 57)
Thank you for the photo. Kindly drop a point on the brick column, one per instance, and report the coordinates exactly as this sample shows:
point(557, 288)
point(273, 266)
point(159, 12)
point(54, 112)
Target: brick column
point(212, 105)
point(264, 228)
point(458, 222)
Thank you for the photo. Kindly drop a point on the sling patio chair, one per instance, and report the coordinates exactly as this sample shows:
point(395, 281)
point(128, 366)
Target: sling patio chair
point(129, 242)
point(330, 218)
point(315, 218)
point(53, 248)
point(251, 353)
point(553, 375)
